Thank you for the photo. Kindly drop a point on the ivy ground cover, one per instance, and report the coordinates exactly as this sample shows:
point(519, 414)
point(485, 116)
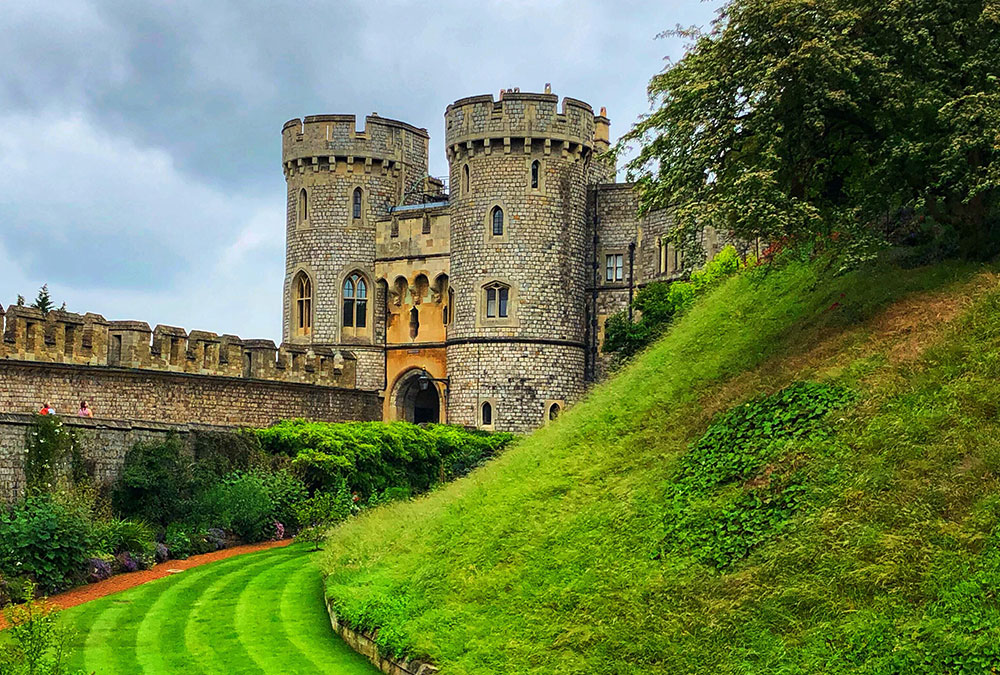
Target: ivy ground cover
point(257, 613)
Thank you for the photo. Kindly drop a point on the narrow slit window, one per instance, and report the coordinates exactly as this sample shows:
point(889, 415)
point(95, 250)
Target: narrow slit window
point(465, 180)
point(303, 206)
point(487, 414)
point(535, 166)
point(497, 218)
point(356, 207)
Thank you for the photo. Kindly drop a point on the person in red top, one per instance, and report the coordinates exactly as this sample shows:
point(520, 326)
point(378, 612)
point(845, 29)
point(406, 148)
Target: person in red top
point(47, 410)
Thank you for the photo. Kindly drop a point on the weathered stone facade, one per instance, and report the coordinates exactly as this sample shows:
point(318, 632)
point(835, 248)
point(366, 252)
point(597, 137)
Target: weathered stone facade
point(486, 305)
point(102, 443)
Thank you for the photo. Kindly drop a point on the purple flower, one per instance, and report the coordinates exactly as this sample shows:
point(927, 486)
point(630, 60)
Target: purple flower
point(162, 553)
point(99, 570)
point(127, 563)
point(216, 537)
point(279, 531)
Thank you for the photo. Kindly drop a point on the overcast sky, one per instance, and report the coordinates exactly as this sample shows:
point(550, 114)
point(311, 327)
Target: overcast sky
point(140, 144)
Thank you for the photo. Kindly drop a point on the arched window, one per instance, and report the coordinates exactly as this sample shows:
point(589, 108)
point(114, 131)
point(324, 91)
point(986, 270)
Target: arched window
point(356, 205)
point(355, 302)
point(303, 206)
point(465, 180)
point(496, 217)
point(535, 166)
point(497, 295)
point(302, 288)
point(487, 414)
point(554, 411)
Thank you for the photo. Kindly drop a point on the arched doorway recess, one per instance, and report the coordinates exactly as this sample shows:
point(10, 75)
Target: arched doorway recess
point(417, 398)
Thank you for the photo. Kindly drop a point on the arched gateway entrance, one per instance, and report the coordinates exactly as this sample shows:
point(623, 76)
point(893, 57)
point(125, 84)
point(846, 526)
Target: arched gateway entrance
point(416, 398)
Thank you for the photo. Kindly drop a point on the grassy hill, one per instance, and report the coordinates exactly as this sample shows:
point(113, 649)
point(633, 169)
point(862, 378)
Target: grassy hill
point(696, 515)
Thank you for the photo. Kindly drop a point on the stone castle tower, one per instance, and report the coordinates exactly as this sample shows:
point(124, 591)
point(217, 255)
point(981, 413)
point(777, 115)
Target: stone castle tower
point(482, 305)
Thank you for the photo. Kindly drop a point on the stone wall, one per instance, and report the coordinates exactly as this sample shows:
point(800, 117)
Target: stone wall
point(102, 442)
point(89, 339)
point(136, 394)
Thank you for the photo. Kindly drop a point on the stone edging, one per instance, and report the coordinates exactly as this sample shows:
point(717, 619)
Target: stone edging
point(364, 644)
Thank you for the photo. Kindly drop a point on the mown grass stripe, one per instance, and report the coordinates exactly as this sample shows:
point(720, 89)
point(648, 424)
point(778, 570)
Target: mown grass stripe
point(210, 634)
point(304, 617)
point(259, 626)
point(104, 651)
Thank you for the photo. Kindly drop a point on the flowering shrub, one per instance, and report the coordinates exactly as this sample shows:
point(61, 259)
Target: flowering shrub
point(279, 531)
point(161, 553)
point(99, 570)
point(127, 562)
point(48, 446)
point(216, 537)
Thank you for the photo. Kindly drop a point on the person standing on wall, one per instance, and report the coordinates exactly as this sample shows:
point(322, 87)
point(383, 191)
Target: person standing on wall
point(84, 410)
point(47, 410)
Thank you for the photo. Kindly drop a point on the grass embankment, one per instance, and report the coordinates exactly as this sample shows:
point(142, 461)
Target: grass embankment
point(560, 556)
point(257, 613)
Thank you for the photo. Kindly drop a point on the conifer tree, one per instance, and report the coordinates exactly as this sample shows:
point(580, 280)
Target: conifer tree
point(44, 301)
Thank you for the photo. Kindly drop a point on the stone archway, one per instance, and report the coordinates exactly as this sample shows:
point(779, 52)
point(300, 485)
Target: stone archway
point(417, 399)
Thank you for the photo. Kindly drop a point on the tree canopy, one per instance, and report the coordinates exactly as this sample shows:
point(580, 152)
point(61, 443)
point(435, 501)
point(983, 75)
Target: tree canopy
point(792, 118)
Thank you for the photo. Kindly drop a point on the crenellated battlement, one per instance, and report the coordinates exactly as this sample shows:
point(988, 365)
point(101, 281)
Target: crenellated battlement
point(91, 340)
point(321, 142)
point(519, 119)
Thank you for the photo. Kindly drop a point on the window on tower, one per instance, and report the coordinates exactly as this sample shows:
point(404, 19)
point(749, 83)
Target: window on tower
point(496, 217)
point(497, 296)
point(303, 206)
point(302, 288)
point(355, 302)
point(465, 180)
point(535, 169)
point(356, 204)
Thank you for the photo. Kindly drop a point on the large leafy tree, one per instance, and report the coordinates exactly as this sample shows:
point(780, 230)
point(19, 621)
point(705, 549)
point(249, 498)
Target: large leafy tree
point(805, 117)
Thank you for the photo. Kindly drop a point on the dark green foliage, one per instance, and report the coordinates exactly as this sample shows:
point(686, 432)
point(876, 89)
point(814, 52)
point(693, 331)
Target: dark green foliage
point(239, 504)
point(720, 527)
point(45, 540)
point(658, 303)
point(51, 450)
point(797, 118)
point(218, 454)
point(374, 456)
point(155, 482)
point(178, 539)
point(320, 512)
point(119, 535)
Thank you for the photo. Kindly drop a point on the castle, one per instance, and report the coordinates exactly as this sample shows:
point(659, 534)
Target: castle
point(480, 305)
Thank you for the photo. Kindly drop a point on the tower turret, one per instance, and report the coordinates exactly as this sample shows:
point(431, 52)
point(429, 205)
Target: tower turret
point(340, 180)
point(519, 256)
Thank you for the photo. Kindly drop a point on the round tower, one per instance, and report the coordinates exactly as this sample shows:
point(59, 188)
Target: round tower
point(519, 265)
point(340, 180)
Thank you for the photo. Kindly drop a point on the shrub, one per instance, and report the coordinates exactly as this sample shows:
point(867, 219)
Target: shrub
point(218, 454)
point(154, 484)
point(37, 644)
point(99, 569)
point(45, 540)
point(121, 535)
point(286, 491)
point(321, 512)
point(161, 553)
point(241, 504)
point(374, 456)
point(49, 446)
point(178, 540)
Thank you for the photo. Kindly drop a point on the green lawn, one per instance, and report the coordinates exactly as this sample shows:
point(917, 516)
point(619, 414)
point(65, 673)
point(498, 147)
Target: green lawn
point(255, 613)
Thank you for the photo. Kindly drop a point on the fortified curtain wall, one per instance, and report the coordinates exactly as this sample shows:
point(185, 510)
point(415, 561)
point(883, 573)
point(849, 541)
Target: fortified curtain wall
point(103, 444)
point(127, 371)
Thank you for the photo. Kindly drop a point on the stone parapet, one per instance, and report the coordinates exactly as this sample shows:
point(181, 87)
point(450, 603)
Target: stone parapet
point(517, 121)
point(90, 340)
